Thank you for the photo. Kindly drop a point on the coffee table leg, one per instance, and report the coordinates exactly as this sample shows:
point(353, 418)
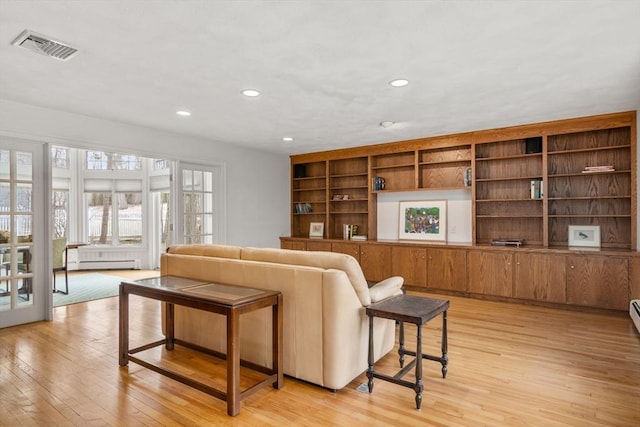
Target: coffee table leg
point(445, 358)
point(233, 362)
point(418, 387)
point(370, 370)
point(276, 322)
point(123, 349)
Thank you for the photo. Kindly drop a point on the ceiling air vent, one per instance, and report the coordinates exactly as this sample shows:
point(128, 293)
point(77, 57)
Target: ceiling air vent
point(44, 45)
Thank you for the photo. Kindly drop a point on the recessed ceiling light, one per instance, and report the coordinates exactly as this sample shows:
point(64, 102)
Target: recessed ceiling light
point(399, 82)
point(250, 92)
point(387, 124)
point(287, 139)
point(183, 113)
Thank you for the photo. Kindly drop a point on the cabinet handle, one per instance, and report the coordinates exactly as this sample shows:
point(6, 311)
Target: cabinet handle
point(572, 267)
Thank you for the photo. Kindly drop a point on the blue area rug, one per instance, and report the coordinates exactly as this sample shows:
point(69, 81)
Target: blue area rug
point(86, 287)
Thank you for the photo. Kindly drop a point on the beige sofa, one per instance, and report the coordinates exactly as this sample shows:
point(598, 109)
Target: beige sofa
point(325, 294)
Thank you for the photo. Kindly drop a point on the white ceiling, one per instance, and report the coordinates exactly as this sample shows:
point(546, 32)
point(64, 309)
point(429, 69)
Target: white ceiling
point(323, 67)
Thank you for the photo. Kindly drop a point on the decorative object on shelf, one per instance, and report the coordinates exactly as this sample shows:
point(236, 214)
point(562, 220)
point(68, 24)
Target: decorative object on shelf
point(299, 171)
point(466, 179)
point(507, 242)
point(316, 230)
point(340, 197)
point(533, 145)
point(377, 183)
point(423, 220)
point(584, 235)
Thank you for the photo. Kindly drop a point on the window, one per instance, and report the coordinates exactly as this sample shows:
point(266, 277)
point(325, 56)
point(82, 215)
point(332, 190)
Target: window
point(60, 213)
point(60, 157)
point(100, 160)
point(197, 194)
point(114, 218)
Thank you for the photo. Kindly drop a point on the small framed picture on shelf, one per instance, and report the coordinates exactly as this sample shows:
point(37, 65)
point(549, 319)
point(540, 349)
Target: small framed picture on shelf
point(316, 230)
point(423, 220)
point(584, 236)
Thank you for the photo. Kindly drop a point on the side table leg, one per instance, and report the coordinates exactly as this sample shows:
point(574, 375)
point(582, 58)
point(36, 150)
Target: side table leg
point(445, 358)
point(370, 370)
point(401, 344)
point(123, 342)
point(233, 362)
point(418, 387)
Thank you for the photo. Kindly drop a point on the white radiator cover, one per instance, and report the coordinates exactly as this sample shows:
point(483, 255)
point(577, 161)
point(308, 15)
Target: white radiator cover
point(110, 265)
point(634, 312)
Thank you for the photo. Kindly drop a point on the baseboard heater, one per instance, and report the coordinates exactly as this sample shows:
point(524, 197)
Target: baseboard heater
point(126, 264)
point(634, 312)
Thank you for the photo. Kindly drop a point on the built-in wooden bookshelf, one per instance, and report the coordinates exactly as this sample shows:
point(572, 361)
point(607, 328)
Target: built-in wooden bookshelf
point(498, 167)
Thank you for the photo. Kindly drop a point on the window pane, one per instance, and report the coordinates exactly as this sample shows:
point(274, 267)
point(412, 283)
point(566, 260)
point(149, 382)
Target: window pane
point(5, 197)
point(130, 218)
point(60, 213)
point(99, 214)
point(23, 197)
point(60, 157)
point(5, 158)
point(208, 182)
point(187, 180)
point(24, 166)
point(24, 228)
point(97, 160)
point(5, 229)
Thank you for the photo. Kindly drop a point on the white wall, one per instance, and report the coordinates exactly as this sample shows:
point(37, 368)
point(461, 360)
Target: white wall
point(257, 181)
point(458, 212)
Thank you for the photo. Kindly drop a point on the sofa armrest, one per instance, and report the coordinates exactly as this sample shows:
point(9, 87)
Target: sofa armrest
point(386, 288)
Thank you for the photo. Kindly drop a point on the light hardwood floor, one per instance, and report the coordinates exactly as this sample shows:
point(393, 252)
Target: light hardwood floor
point(510, 365)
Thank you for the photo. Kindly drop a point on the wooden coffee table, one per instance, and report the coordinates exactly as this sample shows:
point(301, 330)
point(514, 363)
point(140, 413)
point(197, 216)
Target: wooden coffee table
point(228, 300)
point(416, 310)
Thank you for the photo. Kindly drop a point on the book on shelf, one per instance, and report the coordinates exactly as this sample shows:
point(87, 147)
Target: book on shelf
point(377, 183)
point(594, 169)
point(303, 208)
point(349, 230)
point(358, 237)
point(537, 191)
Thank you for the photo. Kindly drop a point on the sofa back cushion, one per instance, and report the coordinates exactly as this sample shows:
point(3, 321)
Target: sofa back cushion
point(325, 260)
point(219, 251)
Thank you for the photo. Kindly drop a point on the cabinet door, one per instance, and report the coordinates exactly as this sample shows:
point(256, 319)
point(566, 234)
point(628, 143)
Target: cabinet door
point(352, 249)
point(541, 277)
point(293, 244)
point(374, 260)
point(319, 246)
point(411, 264)
point(598, 281)
point(490, 273)
point(447, 269)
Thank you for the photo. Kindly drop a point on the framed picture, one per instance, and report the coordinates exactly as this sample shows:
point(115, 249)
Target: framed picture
point(584, 235)
point(316, 229)
point(423, 220)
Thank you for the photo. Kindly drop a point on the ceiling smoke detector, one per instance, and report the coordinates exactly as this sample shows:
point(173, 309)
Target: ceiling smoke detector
point(45, 45)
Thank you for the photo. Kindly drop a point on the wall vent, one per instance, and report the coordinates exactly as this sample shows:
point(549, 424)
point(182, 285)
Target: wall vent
point(45, 45)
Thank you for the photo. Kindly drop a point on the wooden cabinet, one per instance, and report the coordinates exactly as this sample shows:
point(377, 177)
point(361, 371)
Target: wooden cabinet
point(375, 261)
point(410, 263)
point(348, 195)
point(552, 276)
point(348, 248)
point(602, 197)
point(598, 281)
point(505, 207)
point(490, 273)
point(540, 277)
point(447, 269)
point(309, 197)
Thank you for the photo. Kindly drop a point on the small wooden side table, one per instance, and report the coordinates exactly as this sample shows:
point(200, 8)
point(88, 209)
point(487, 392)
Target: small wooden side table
point(416, 310)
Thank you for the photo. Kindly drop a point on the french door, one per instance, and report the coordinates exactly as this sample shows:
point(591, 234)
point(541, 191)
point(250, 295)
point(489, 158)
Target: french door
point(202, 208)
point(24, 292)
